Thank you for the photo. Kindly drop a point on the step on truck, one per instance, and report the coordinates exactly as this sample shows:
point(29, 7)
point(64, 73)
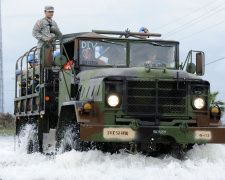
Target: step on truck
point(111, 90)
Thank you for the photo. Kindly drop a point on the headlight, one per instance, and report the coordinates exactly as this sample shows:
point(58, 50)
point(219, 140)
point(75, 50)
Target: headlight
point(199, 103)
point(113, 100)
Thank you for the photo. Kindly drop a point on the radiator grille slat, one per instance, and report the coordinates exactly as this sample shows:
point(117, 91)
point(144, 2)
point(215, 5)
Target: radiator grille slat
point(156, 98)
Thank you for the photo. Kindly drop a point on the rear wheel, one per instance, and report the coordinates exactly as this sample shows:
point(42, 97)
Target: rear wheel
point(32, 142)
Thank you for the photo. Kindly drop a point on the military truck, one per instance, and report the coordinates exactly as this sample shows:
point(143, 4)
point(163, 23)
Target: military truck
point(115, 89)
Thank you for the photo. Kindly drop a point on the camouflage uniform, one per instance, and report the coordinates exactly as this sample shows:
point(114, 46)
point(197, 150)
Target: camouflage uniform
point(42, 29)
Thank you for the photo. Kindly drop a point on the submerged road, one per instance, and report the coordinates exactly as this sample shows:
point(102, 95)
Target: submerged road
point(203, 162)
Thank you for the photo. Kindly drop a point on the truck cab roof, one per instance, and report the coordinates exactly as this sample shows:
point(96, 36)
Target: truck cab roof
point(92, 35)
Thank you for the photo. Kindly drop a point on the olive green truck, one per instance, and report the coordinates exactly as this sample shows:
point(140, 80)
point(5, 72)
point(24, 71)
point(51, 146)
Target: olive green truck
point(111, 90)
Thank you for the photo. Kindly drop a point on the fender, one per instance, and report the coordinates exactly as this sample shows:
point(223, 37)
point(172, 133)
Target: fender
point(67, 117)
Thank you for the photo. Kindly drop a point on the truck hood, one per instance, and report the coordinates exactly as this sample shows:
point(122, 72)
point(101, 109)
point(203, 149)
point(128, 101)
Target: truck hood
point(136, 72)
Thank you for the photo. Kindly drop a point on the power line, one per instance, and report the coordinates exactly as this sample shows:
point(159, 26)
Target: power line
point(202, 15)
point(182, 17)
point(186, 25)
point(220, 59)
point(205, 29)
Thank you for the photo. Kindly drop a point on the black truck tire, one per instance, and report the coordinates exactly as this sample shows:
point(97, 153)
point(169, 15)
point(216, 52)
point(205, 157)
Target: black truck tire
point(32, 142)
point(71, 139)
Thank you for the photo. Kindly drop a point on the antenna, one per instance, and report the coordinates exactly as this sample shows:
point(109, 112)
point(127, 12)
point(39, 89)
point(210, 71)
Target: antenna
point(1, 68)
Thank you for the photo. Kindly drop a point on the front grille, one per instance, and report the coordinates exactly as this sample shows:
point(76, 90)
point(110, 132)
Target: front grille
point(155, 98)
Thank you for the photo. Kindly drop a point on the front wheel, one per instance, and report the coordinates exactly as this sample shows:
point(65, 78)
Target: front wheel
point(180, 152)
point(71, 139)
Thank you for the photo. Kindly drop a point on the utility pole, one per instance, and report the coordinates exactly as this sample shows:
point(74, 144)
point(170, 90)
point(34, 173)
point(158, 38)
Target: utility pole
point(1, 66)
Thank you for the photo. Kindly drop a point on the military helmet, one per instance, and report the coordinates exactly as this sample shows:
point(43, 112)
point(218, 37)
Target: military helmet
point(33, 59)
point(143, 29)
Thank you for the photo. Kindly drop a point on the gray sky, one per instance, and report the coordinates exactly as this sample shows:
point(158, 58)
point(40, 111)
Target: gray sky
point(197, 24)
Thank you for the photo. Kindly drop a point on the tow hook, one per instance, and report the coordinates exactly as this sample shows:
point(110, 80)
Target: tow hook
point(134, 125)
point(133, 148)
point(184, 127)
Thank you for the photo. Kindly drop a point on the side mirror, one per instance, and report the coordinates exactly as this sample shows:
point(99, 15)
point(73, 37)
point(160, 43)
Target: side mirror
point(60, 60)
point(200, 64)
point(191, 68)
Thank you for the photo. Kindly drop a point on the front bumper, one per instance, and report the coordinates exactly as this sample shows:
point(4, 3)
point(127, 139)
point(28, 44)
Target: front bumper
point(147, 134)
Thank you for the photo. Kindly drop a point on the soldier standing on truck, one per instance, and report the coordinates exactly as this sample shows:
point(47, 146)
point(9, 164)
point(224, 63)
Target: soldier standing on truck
point(42, 29)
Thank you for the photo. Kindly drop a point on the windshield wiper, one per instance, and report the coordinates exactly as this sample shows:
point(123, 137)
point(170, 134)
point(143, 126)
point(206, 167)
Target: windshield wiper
point(157, 44)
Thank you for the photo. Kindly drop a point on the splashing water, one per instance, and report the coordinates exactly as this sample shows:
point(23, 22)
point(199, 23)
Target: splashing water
point(21, 141)
point(203, 162)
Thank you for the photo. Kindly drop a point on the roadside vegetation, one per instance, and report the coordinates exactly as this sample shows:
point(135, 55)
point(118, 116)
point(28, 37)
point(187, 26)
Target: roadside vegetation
point(7, 124)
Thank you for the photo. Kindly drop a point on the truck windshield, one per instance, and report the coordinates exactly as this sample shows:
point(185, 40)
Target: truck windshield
point(102, 53)
point(152, 54)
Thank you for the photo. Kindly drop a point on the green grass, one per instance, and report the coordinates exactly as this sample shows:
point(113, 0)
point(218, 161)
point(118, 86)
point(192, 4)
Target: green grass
point(9, 131)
